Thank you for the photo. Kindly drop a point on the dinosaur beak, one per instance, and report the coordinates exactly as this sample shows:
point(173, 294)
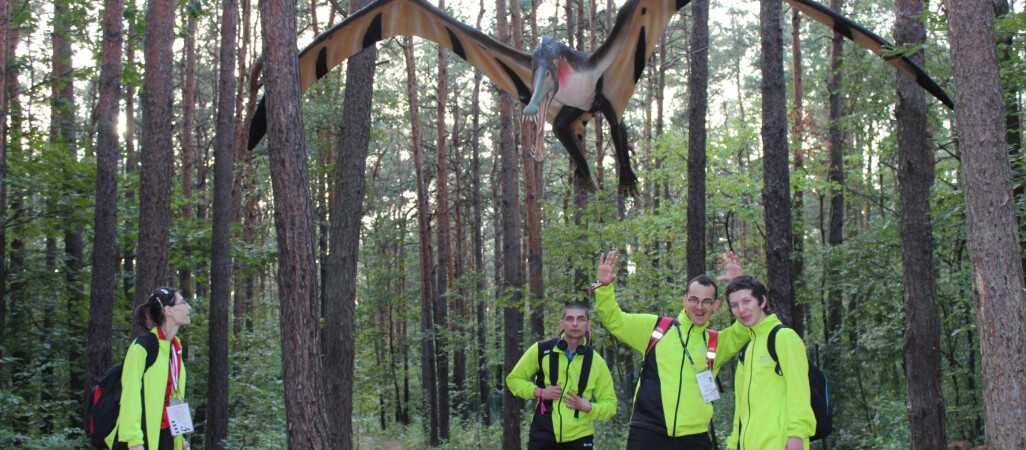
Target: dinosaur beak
point(539, 107)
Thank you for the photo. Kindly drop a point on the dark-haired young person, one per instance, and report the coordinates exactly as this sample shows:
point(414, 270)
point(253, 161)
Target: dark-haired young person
point(771, 408)
point(670, 410)
point(565, 413)
point(146, 394)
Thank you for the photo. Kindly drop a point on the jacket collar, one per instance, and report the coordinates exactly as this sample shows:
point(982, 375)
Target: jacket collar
point(767, 324)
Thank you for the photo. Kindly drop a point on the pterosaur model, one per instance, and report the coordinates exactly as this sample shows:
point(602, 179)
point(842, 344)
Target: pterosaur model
point(557, 84)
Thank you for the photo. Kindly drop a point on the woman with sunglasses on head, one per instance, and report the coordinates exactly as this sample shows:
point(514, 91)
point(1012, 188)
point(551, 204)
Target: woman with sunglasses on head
point(150, 385)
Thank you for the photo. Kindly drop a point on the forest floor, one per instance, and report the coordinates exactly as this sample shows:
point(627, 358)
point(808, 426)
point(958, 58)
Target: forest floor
point(379, 443)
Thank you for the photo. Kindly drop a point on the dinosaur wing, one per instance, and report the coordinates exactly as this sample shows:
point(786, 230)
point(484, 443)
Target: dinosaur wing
point(876, 44)
point(509, 69)
point(621, 59)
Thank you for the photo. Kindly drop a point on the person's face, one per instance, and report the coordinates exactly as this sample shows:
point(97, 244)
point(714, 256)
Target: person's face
point(748, 309)
point(699, 303)
point(575, 322)
point(179, 312)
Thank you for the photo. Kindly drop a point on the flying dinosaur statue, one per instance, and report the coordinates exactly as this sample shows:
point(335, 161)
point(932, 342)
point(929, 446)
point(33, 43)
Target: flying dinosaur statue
point(556, 83)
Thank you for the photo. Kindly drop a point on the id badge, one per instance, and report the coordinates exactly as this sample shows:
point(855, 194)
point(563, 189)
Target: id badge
point(707, 386)
point(179, 418)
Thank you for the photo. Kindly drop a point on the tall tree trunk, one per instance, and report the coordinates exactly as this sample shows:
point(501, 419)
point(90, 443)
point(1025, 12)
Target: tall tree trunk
point(297, 262)
point(241, 203)
point(220, 258)
point(1012, 110)
point(835, 233)
point(512, 281)
point(105, 240)
point(776, 189)
point(5, 25)
point(156, 169)
point(991, 220)
point(478, 238)
point(915, 177)
point(62, 134)
point(441, 296)
point(797, 130)
point(698, 87)
point(427, 344)
point(131, 162)
point(188, 148)
point(346, 219)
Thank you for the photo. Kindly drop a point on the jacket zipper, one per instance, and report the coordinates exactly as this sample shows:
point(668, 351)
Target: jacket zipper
point(680, 379)
point(751, 369)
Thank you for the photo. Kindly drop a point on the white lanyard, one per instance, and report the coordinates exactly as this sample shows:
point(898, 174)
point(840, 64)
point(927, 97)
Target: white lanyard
point(176, 362)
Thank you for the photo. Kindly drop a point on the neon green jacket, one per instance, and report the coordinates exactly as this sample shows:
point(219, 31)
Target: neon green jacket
point(151, 385)
point(599, 391)
point(769, 408)
point(667, 398)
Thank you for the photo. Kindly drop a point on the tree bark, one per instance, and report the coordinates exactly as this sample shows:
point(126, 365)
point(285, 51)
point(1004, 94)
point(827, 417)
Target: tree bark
point(444, 268)
point(346, 220)
point(5, 25)
point(835, 234)
point(131, 162)
point(511, 296)
point(698, 87)
point(915, 177)
point(220, 258)
point(297, 275)
point(991, 220)
point(478, 238)
point(188, 140)
point(776, 189)
point(427, 345)
point(797, 130)
point(105, 240)
point(156, 168)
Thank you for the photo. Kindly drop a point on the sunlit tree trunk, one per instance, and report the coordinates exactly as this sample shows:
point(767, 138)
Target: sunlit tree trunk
point(187, 137)
point(101, 291)
point(157, 168)
point(992, 231)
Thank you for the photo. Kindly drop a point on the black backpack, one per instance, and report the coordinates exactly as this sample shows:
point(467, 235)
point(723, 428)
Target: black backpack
point(104, 401)
point(820, 398)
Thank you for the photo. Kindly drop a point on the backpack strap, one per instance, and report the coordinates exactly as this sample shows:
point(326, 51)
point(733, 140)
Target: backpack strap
point(148, 341)
point(771, 346)
point(585, 371)
point(546, 348)
point(664, 323)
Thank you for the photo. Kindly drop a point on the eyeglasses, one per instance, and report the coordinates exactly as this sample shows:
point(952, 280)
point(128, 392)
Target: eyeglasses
point(694, 301)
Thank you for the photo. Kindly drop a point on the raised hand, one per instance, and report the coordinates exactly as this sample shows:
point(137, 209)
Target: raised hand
point(731, 265)
point(606, 271)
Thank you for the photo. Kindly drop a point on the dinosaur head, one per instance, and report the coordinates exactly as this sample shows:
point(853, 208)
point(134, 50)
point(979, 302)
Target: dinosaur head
point(545, 78)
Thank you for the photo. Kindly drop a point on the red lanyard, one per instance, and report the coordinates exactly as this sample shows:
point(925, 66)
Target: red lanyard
point(175, 365)
point(710, 354)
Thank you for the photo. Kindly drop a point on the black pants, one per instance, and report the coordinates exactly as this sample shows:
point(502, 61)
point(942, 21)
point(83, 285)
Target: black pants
point(551, 444)
point(645, 439)
point(165, 442)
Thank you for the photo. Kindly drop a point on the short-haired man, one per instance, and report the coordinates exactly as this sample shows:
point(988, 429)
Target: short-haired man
point(670, 409)
point(571, 382)
point(771, 401)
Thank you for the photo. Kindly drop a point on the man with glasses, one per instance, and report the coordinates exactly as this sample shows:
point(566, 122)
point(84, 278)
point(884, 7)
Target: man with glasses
point(674, 395)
